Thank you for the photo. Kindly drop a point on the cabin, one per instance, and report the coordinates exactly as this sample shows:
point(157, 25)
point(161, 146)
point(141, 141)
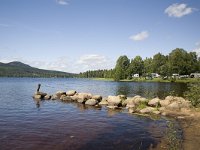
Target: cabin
point(195, 75)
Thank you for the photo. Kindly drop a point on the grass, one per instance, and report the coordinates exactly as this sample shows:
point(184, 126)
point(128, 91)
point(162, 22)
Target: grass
point(185, 80)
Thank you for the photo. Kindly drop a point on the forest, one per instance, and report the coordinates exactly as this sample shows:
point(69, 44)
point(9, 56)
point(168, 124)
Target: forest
point(178, 61)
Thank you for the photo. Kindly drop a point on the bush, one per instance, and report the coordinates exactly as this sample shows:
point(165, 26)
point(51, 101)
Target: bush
point(193, 94)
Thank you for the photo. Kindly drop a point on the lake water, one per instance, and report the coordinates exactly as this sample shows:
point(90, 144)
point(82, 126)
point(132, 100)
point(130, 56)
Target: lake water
point(27, 124)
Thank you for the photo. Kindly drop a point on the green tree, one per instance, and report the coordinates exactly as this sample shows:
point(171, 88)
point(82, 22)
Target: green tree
point(159, 64)
point(136, 66)
point(121, 68)
point(148, 66)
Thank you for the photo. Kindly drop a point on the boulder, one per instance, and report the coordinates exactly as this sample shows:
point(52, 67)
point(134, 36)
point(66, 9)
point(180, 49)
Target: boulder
point(138, 99)
point(156, 112)
point(173, 106)
point(54, 97)
point(37, 96)
point(97, 97)
point(47, 97)
point(114, 101)
point(84, 96)
point(165, 102)
point(103, 102)
point(154, 102)
point(130, 103)
point(71, 93)
point(66, 98)
point(60, 93)
point(147, 110)
point(74, 98)
point(91, 102)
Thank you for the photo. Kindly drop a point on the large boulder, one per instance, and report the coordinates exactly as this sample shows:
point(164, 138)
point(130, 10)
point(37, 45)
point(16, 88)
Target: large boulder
point(103, 102)
point(91, 102)
point(84, 95)
point(154, 102)
point(147, 110)
point(165, 102)
point(74, 98)
point(71, 93)
point(173, 106)
point(138, 99)
point(97, 97)
point(66, 98)
point(130, 103)
point(114, 101)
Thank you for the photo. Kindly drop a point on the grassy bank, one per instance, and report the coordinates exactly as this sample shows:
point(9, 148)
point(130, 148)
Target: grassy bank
point(186, 80)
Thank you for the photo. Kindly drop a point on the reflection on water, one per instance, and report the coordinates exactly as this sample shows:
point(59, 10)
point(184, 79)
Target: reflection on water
point(33, 124)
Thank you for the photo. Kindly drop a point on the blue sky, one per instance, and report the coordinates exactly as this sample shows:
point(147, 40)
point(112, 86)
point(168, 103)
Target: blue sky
point(78, 35)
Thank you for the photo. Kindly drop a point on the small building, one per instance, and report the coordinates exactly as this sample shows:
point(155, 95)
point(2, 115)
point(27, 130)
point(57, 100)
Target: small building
point(175, 75)
point(195, 75)
point(136, 75)
point(155, 75)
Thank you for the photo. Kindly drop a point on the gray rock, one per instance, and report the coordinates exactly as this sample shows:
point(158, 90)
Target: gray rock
point(154, 102)
point(114, 101)
point(165, 102)
point(97, 97)
point(103, 102)
point(71, 93)
point(91, 102)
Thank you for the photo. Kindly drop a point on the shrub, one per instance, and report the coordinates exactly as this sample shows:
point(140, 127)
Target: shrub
point(193, 94)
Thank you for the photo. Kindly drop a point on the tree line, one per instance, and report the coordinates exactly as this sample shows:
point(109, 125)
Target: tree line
point(178, 61)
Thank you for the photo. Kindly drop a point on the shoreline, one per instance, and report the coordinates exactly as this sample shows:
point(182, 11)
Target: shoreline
point(189, 80)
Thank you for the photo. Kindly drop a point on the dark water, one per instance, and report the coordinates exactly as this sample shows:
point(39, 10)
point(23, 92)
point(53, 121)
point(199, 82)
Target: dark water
point(27, 124)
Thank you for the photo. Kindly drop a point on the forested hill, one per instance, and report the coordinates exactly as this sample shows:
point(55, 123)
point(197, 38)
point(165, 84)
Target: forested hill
point(18, 69)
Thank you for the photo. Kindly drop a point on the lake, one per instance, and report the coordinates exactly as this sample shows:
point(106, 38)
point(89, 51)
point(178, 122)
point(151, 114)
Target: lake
point(27, 124)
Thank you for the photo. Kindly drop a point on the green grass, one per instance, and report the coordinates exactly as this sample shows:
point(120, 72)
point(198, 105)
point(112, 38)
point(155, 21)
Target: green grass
point(186, 80)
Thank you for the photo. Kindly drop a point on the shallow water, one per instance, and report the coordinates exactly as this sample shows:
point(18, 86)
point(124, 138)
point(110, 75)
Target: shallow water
point(29, 124)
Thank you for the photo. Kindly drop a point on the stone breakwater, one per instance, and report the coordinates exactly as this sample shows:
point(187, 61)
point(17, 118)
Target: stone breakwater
point(170, 106)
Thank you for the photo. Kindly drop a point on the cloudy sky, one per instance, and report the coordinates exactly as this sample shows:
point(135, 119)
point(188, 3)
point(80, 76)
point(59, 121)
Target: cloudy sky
point(78, 35)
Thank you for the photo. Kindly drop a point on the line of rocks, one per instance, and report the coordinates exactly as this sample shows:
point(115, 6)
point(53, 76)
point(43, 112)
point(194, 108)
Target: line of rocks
point(136, 104)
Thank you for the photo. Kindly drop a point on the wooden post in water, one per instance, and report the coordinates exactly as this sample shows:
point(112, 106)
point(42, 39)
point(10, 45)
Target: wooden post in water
point(38, 89)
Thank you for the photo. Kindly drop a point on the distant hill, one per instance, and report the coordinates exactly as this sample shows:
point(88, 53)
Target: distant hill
point(19, 69)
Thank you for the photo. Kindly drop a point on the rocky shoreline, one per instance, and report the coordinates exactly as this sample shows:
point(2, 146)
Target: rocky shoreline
point(170, 106)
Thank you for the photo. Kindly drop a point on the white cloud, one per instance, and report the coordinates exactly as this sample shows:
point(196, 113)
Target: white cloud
point(62, 2)
point(93, 62)
point(140, 36)
point(178, 10)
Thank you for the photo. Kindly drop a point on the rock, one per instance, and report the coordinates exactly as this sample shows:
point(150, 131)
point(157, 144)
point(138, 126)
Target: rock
point(164, 113)
point(59, 94)
point(165, 102)
point(37, 96)
point(74, 98)
point(154, 102)
point(91, 102)
point(147, 110)
point(54, 97)
point(112, 107)
point(66, 98)
point(84, 96)
point(156, 112)
point(130, 103)
point(138, 99)
point(180, 117)
point(131, 110)
point(162, 109)
point(173, 106)
point(114, 101)
point(97, 97)
point(103, 102)
point(71, 93)
point(122, 97)
point(47, 97)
